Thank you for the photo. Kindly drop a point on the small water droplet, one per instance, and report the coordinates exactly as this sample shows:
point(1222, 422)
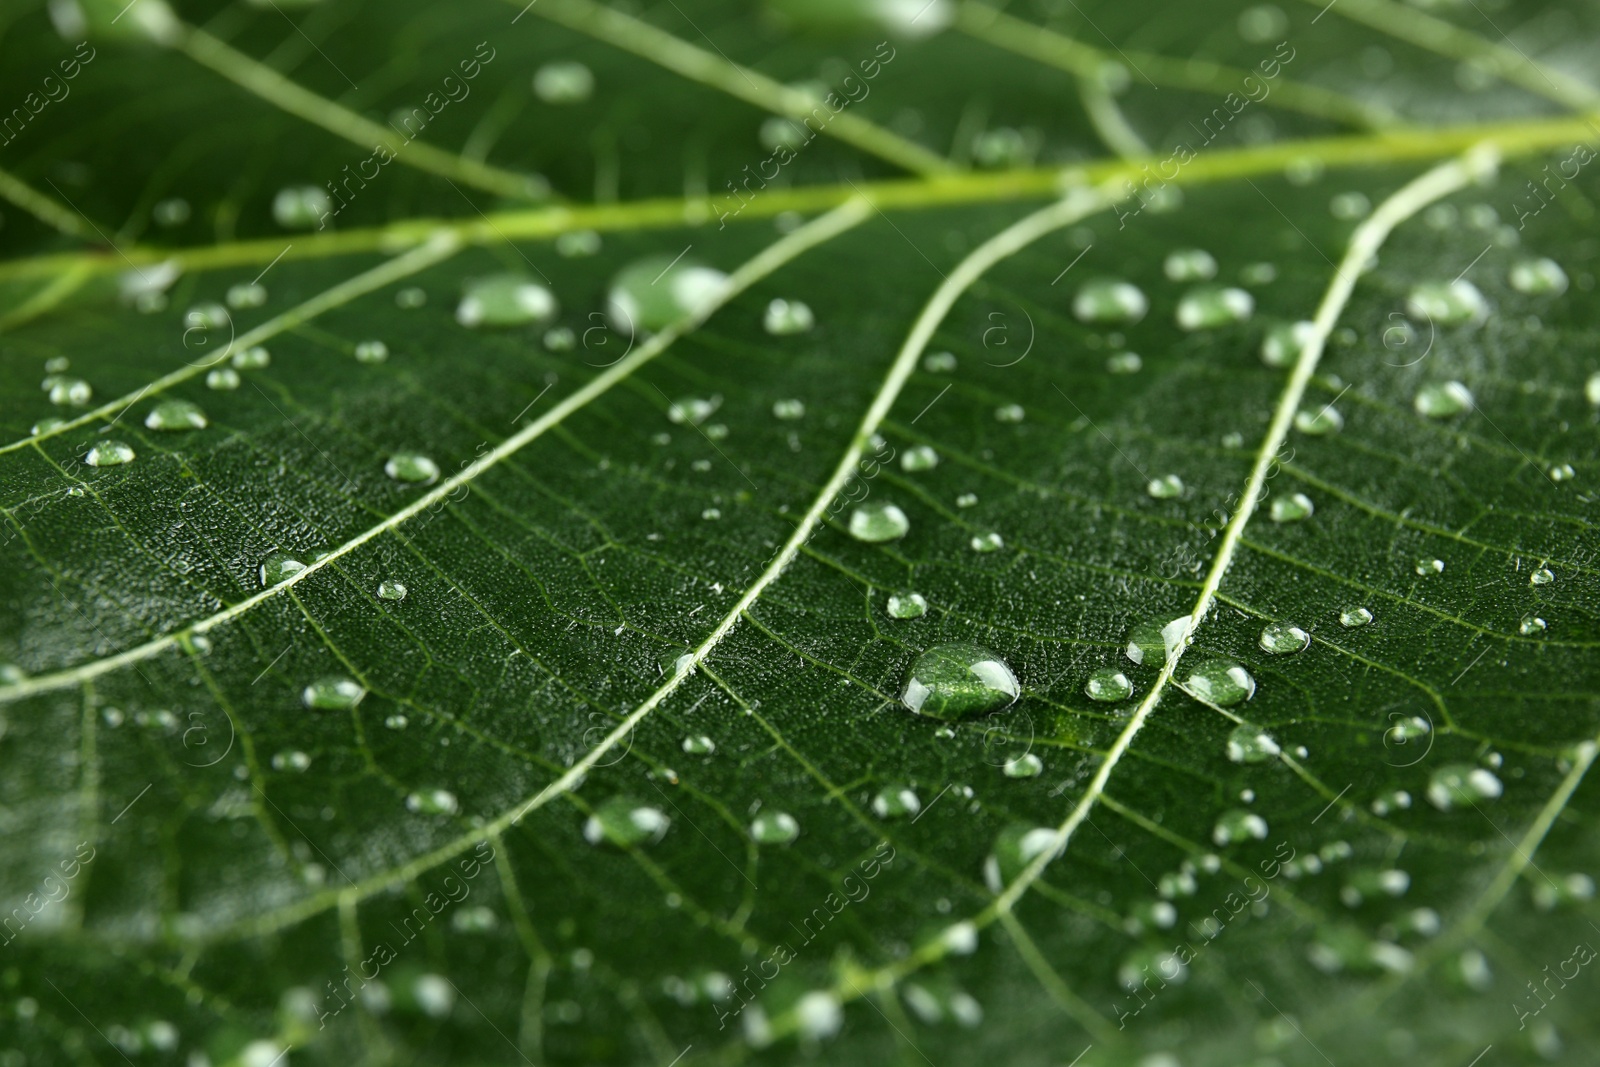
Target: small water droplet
point(173, 415)
point(389, 589)
point(894, 801)
point(876, 523)
point(44, 426)
point(788, 410)
point(1262, 273)
point(505, 300)
point(692, 410)
point(774, 828)
point(1542, 576)
point(109, 454)
point(333, 693)
point(396, 722)
point(1026, 765)
point(711, 514)
point(1530, 625)
point(1124, 363)
point(279, 567)
point(1009, 413)
point(907, 606)
point(70, 392)
point(1109, 301)
point(410, 298)
point(1211, 308)
point(1591, 389)
point(293, 760)
point(1350, 206)
point(784, 317)
point(301, 207)
point(1355, 616)
point(987, 542)
point(1282, 638)
point(1462, 783)
point(959, 681)
point(659, 290)
point(371, 352)
point(967, 500)
point(563, 82)
point(1190, 265)
point(625, 823)
point(919, 458)
point(699, 745)
point(939, 362)
point(1165, 487)
point(1319, 423)
point(253, 358)
point(577, 243)
point(1561, 472)
point(1427, 568)
point(433, 802)
point(247, 295)
point(1441, 400)
point(223, 378)
point(1107, 685)
point(1238, 825)
point(411, 467)
point(1151, 641)
point(1248, 743)
point(1454, 303)
point(1292, 508)
point(1284, 342)
point(1220, 681)
point(1539, 276)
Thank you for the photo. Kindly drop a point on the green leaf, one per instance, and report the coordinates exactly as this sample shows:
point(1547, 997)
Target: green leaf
point(504, 476)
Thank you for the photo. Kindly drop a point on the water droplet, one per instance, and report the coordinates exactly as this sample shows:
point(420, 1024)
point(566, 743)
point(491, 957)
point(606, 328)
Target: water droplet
point(1009, 413)
point(919, 458)
point(625, 822)
point(1282, 638)
point(505, 300)
point(389, 589)
point(1319, 423)
point(222, 378)
point(1551, 893)
point(253, 358)
point(1591, 389)
point(563, 82)
point(1560, 472)
point(1462, 783)
point(1145, 965)
point(1539, 276)
point(699, 745)
point(396, 722)
point(1248, 743)
point(109, 454)
point(1454, 303)
point(1238, 825)
point(44, 426)
point(1153, 642)
point(1352, 617)
point(1220, 681)
point(907, 606)
point(70, 392)
point(1284, 342)
point(959, 681)
point(212, 316)
point(987, 542)
point(1530, 625)
point(876, 523)
point(411, 467)
point(174, 415)
point(433, 802)
point(1109, 301)
point(785, 317)
point(247, 295)
point(1427, 568)
point(1211, 308)
point(410, 298)
point(1017, 846)
point(1107, 685)
point(279, 567)
point(173, 211)
point(291, 761)
point(774, 828)
point(1542, 576)
point(658, 290)
point(788, 410)
point(1190, 265)
point(1026, 765)
point(1292, 508)
point(818, 1015)
point(710, 514)
point(576, 243)
point(1350, 206)
point(1165, 487)
point(301, 207)
point(944, 363)
point(1124, 363)
point(333, 693)
point(1441, 400)
point(895, 801)
point(371, 352)
point(967, 500)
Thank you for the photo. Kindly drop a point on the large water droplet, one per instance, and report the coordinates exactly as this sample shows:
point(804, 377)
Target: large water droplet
point(1319, 423)
point(1238, 825)
point(1017, 846)
point(784, 317)
point(1454, 303)
point(658, 290)
point(789, 409)
point(563, 82)
point(1190, 265)
point(1427, 567)
point(1284, 342)
point(1153, 642)
point(1463, 784)
point(1109, 301)
point(1530, 625)
point(1441, 400)
point(1211, 308)
point(1166, 487)
point(1108, 685)
point(247, 295)
point(878, 522)
point(1220, 681)
point(433, 802)
point(919, 458)
point(411, 467)
point(699, 745)
point(293, 760)
point(1539, 276)
point(172, 415)
point(959, 681)
point(69, 392)
point(109, 454)
point(1542, 576)
point(1295, 507)
point(1354, 616)
point(505, 300)
point(333, 693)
point(907, 606)
point(222, 379)
point(774, 828)
point(253, 358)
point(987, 542)
point(301, 207)
point(389, 589)
point(939, 362)
point(1251, 744)
point(894, 801)
point(1026, 765)
point(371, 352)
point(1281, 638)
point(279, 567)
point(625, 823)
point(1124, 363)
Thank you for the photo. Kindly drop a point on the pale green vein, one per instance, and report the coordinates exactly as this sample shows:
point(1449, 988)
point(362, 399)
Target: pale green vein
point(769, 260)
point(43, 208)
point(47, 297)
point(662, 48)
point(256, 77)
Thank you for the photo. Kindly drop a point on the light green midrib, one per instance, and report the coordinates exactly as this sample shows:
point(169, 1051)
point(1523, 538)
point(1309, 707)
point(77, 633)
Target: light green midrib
point(1512, 138)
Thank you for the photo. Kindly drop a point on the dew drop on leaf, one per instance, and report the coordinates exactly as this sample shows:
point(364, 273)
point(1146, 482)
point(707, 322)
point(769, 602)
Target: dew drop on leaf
point(894, 801)
point(784, 317)
point(945, 362)
point(501, 300)
point(332, 693)
point(109, 454)
point(1530, 625)
point(411, 467)
point(658, 290)
point(1354, 616)
point(1238, 825)
point(1441, 400)
point(1292, 508)
point(389, 589)
point(959, 681)
point(625, 823)
point(222, 379)
point(699, 745)
point(1248, 743)
point(371, 352)
point(173, 415)
point(247, 295)
point(1319, 423)
point(292, 760)
point(1009, 413)
point(1109, 301)
point(1457, 303)
point(279, 567)
point(987, 542)
point(878, 522)
point(919, 458)
point(253, 358)
point(1542, 576)
point(1124, 363)
point(1282, 638)
point(774, 828)
point(1190, 265)
point(1220, 681)
point(563, 82)
point(907, 606)
point(1165, 487)
point(1541, 276)
point(1152, 642)
point(788, 409)
point(433, 802)
point(1284, 342)
point(1211, 308)
point(1026, 765)
point(1017, 846)
point(1426, 567)
point(70, 392)
point(300, 207)
point(1107, 685)
point(1461, 784)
